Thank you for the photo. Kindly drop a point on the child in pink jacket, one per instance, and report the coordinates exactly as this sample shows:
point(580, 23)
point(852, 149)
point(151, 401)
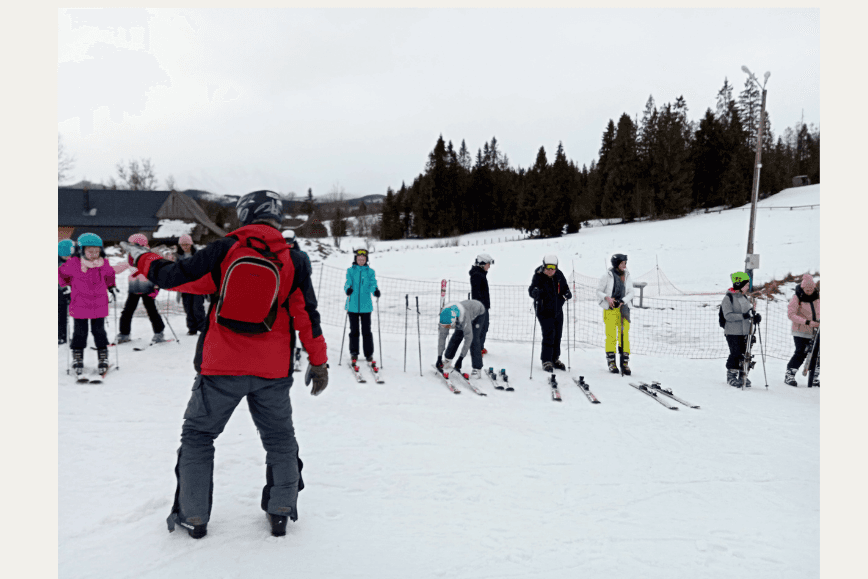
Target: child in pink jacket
point(804, 311)
point(89, 276)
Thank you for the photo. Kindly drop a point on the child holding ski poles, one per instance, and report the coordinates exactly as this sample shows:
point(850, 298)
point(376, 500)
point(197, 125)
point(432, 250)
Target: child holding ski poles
point(89, 277)
point(361, 283)
point(804, 311)
point(738, 312)
point(549, 290)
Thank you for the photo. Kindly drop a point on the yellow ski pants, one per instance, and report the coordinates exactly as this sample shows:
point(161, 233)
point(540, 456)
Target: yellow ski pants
point(612, 320)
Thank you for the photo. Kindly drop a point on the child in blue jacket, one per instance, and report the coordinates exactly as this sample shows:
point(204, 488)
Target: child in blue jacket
point(361, 283)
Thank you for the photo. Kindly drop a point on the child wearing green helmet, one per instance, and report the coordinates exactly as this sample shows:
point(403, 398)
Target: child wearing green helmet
point(738, 313)
point(65, 247)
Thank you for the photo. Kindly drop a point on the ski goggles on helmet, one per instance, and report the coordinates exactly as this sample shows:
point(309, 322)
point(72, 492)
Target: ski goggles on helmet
point(361, 252)
point(551, 266)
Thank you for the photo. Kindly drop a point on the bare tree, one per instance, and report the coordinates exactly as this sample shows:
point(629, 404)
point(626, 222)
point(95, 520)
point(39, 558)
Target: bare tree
point(170, 183)
point(137, 177)
point(65, 162)
point(335, 199)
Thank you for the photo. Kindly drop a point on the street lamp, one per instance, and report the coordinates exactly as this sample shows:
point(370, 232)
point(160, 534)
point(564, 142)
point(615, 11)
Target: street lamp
point(751, 261)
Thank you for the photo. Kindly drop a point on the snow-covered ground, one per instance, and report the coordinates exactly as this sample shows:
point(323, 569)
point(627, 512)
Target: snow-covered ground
point(404, 479)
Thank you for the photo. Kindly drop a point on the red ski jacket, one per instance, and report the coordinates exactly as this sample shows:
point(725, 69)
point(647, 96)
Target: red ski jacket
point(220, 351)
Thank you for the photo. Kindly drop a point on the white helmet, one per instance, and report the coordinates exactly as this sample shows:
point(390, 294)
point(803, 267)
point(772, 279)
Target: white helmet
point(289, 235)
point(550, 259)
point(484, 258)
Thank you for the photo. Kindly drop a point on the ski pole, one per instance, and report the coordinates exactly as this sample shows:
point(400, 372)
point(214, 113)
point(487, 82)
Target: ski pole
point(568, 335)
point(762, 351)
point(170, 326)
point(406, 313)
point(621, 312)
point(419, 331)
point(379, 333)
point(117, 355)
point(533, 339)
point(344, 335)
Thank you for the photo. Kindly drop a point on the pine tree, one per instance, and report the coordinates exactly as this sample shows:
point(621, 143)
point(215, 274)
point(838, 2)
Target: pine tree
point(619, 192)
point(708, 162)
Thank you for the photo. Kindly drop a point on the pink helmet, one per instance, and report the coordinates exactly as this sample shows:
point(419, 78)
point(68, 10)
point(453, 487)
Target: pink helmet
point(185, 239)
point(139, 239)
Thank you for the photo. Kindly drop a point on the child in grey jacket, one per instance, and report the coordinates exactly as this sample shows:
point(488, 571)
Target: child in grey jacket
point(738, 313)
point(466, 317)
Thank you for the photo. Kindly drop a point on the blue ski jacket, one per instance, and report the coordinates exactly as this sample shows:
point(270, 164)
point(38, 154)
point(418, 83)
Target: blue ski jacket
point(363, 280)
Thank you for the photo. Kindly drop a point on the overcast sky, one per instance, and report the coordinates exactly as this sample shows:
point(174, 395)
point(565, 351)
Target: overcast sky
point(232, 101)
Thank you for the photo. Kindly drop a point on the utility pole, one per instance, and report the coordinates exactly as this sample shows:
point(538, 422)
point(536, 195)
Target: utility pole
point(751, 261)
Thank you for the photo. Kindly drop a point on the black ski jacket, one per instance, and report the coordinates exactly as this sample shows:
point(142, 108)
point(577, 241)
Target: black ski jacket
point(479, 286)
point(551, 292)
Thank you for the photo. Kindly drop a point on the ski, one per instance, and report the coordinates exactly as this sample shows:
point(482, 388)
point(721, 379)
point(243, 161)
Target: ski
point(359, 378)
point(143, 348)
point(113, 344)
point(97, 378)
point(747, 358)
point(82, 378)
point(814, 366)
point(656, 387)
point(493, 378)
point(469, 384)
point(505, 380)
point(556, 394)
point(442, 294)
point(583, 386)
point(375, 371)
point(445, 377)
point(810, 357)
point(645, 390)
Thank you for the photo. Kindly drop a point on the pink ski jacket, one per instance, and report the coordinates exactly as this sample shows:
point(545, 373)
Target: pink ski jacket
point(89, 296)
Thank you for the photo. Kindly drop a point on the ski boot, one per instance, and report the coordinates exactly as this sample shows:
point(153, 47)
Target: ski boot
point(78, 363)
point(625, 358)
point(103, 365)
point(195, 531)
point(476, 373)
point(790, 378)
point(122, 338)
point(278, 524)
point(369, 359)
point(548, 367)
point(610, 360)
point(559, 365)
point(158, 338)
point(741, 378)
point(732, 378)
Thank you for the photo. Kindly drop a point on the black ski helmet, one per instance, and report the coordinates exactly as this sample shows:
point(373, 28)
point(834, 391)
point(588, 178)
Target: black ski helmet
point(617, 259)
point(259, 205)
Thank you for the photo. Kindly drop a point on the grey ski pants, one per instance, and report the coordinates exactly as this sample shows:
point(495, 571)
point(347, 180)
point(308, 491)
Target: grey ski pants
point(212, 402)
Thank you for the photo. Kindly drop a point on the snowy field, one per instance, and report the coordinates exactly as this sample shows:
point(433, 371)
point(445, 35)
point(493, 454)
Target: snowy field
point(405, 479)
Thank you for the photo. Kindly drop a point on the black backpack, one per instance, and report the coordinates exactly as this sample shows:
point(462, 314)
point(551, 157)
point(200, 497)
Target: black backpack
point(720, 319)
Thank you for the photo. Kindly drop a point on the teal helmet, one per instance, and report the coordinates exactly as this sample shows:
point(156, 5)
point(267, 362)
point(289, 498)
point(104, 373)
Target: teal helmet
point(65, 247)
point(89, 240)
point(449, 315)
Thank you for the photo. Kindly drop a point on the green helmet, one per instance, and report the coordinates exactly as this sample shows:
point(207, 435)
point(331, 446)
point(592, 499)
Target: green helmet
point(739, 276)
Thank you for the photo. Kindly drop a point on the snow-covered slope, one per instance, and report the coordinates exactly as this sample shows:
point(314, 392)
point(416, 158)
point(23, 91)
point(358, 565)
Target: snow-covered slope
point(404, 479)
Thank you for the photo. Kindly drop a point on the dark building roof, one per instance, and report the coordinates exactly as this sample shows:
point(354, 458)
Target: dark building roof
point(109, 208)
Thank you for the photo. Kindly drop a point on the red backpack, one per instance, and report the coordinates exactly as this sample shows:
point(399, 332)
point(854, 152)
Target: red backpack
point(247, 300)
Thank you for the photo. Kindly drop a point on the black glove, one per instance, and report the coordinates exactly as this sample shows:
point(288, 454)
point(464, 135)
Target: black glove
point(439, 363)
point(377, 293)
point(319, 375)
point(349, 291)
point(113, 291)
point(748, 314)
point(616, 304)
point(535, 293)
point(568, 295)
point(757, 319)
point(458, 363)
point(66, 290)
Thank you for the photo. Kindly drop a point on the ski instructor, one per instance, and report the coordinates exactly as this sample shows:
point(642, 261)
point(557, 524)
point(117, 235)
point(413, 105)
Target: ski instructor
point(244, 350)
point(549, 290)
